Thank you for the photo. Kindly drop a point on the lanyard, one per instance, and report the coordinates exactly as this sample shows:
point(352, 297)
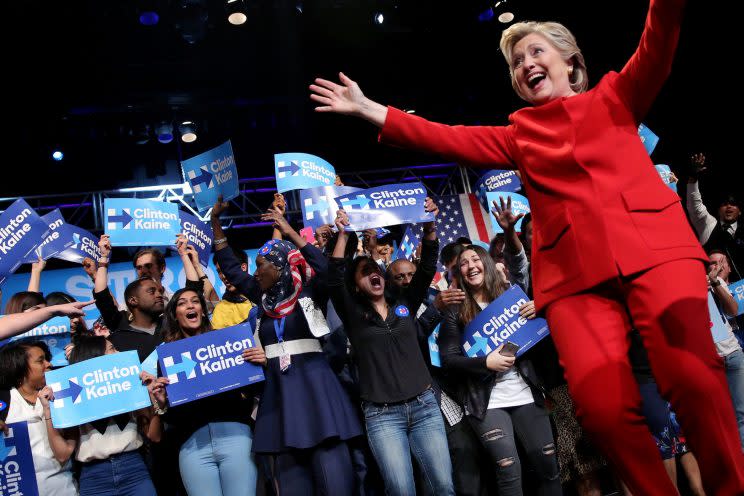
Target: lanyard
point(279, 328)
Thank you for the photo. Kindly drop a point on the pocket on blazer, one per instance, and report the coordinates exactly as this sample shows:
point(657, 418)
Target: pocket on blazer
point(558, 260)
point(658, 216)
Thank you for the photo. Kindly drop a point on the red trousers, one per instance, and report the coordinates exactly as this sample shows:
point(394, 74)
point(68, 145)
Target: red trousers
point(668, 306)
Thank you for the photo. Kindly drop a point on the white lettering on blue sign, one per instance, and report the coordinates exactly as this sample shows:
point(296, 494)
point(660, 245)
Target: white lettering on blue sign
point(14, 231)
point(382, 199)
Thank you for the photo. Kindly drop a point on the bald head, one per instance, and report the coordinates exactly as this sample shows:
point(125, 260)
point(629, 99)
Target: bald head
point(401, 272)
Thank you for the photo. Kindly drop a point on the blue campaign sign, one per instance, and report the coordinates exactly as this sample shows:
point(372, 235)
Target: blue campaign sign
point(385, 206)
point(648, 138)
point(56, 325)
point(302, 170)
point(208, 364)
point(199, 234)
point(408, 244)
point(211, 174)
point(500, 322)
point(84, 245)
point(719, 326)
point(497, 180)
point(97, 388)
point(58, 239)
point(319, 205)
point(150, 364)
point(520, 205)
point(134, 222)
point(737, 290)
point(17, 472)
point(665, 172)
point(436, 361)
point(21, 230)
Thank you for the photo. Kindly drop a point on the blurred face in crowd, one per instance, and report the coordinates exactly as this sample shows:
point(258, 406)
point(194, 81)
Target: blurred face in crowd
point(37, 365)
point(149, 297)
point(228, 285)
point(189, 312)
point(527, 235)
point(720, 262)
point(729, 212)
point(110, 349)
point(369, 279)
point(267, 274)
point(147, 266)
point(471, 269)
point(401, 273)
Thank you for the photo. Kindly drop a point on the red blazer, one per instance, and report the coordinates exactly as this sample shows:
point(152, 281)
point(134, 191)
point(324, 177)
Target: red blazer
point(599, 207)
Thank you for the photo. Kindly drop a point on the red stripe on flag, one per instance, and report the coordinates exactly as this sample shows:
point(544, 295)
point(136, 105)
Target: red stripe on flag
point(475, 208)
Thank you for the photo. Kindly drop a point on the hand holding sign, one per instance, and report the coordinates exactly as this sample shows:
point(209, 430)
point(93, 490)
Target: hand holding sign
point(279, 203)
point(90, 267)
point(104, 245)
point(528, 310)
point(499, 363)
point(256, 356)
point(156, 388)
point(342, 220)
point(219, 207)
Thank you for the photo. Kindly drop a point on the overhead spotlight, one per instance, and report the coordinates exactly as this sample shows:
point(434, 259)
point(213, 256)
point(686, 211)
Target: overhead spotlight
point(506, 17)
point(410, 111)
point(236, 12)
point(147, 12)
point(188, 131)
point(378, 18)
point(299, 7)
point(164, 132)
point(58, 155)
point(486, 15)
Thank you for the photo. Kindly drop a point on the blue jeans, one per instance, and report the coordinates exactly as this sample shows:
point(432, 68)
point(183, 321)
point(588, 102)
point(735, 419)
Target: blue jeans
point(217, 460)
point(734, 363)
point(415, 426)
point(124, 474)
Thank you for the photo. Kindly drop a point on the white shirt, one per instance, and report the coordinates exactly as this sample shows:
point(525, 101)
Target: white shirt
point(96, 446)
point(701, 220)
point(729, 345)
point(52, 478)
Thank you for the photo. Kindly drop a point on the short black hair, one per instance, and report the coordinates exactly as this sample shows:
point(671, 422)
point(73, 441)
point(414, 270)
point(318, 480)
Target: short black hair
point(730, 198)
point(133, 287)
point(241, 255)
point(464, 240)
point(14, 362)
point(58, 298)
point(87, 347)
point(450, 252)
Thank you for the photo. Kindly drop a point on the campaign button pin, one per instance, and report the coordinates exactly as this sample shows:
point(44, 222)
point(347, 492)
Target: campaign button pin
point(401, 311)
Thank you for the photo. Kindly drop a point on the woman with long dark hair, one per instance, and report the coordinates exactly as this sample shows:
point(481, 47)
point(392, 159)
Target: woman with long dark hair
point(502, 396)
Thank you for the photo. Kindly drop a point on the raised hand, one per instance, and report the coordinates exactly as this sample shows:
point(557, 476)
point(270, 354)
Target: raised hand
point(697, 166)
point(279, 203)
point(74, 309)
point(345, 98)
point(451, 296)
point(280, 223)
point(90, 267)
point(431, 207)
point(181, 243)
point(219, 207)
point(504, 215)
point(104, 244)
point(342, 220)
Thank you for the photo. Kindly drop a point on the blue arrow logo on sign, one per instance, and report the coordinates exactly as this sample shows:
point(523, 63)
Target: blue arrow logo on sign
point(481, 344)
point(204, 178)
point(72, 391)
point(359, 201)
point(5, 450)
point(292, 168)
point(124, 218)
point(186, 365)
point(321, 206)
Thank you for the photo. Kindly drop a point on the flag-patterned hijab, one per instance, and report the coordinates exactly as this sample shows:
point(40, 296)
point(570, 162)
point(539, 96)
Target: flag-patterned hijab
point(281, 298)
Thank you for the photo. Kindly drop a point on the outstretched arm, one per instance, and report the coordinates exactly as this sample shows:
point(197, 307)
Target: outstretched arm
point(17, 323)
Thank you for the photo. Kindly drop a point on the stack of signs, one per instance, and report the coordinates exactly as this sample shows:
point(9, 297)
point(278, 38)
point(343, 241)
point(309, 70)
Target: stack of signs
point(133, 222)
point(648, 138)
point(519, 205)
point(719, 326)
point(500, 322)
point(737, 290)
point(97, 388)
point(666, 175)
point(208, 364)
point(211, 174)
point(55, 333)
point(199, 234)
point(84, 245)
point(319, 205)
point(385, 206)
point(496, 180)
point(58, 239)
point(21, 231)
point(302, 170)
point(17, 472)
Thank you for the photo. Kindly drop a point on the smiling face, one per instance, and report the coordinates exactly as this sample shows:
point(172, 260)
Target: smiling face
point(189, 312)
point(267, 274)
point(540, 72)
point(369, 279)
point(472, 272)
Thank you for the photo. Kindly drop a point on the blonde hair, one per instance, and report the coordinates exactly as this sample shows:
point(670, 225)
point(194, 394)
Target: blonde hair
point(557, 35)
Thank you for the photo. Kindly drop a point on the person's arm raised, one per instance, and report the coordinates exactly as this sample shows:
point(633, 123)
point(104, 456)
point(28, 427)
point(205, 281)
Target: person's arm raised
point(18, 323)
point(347, 99)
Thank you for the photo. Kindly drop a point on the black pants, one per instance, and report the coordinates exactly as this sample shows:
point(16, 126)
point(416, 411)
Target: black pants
point(323, 470)
point(465, 449)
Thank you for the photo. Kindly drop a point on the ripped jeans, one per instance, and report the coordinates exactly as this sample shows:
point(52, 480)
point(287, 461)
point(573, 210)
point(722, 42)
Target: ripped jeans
point(531, 425)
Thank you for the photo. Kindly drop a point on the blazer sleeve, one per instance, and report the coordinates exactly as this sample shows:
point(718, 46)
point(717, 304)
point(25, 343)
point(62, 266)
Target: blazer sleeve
point(645, 73)
point(450, 347)
point(482, 146)
point(243, 281)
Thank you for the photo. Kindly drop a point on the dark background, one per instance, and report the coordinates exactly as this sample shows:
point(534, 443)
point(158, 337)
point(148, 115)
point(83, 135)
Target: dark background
point(87, 77)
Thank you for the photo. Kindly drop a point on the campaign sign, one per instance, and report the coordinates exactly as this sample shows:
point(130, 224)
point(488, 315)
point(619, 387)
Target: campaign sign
point(84, 245)
point(56, 241)
point(97, 388)
point(150, 364)
point(56, 325)
point(211, 174)
point(719, 326)
point(737, 290)
point(199, 234)
point(134, 222)
point(500, 322)
point(208, 364)
point(519, 204)
point(648, 138)
point(408, 245)
point(319, 205)
point(434, 347)
point(497, 180)
point(302, 170)
point(55, 342)
point(21, 230)
point(385, 206)
point(17, 472)
point(666, 175)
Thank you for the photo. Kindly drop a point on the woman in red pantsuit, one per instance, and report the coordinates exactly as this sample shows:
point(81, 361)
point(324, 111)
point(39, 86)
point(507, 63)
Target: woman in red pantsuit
point(611, 244)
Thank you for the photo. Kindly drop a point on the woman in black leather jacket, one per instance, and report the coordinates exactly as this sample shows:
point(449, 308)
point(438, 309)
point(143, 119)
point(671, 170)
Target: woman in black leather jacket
point(501, 395)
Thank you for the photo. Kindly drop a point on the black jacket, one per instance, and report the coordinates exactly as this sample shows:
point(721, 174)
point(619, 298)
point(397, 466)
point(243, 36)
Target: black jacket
point(478, 380)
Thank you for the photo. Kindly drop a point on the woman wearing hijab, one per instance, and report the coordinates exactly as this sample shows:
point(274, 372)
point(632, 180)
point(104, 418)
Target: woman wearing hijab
point(304, 417)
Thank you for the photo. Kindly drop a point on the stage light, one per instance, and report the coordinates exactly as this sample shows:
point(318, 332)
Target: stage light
point(486, 15)
point(149, 18)
point(378, 18)
point(164, 132)
point(236, 12)
point(58, 155)
point(188, 131)
point(506, 17)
